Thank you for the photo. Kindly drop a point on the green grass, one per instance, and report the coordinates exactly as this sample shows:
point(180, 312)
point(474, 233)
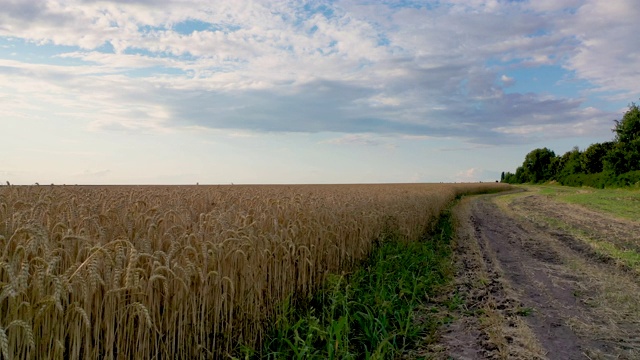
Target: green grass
point(524, 311)
point(622, 203)
point(618, 202)
point(370, 314)
point(628, 257)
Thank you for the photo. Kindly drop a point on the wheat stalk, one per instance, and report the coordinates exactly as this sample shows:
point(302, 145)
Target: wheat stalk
point(80, 266)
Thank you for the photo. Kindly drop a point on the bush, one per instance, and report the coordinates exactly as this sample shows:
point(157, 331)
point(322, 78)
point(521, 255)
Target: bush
point(602, 180)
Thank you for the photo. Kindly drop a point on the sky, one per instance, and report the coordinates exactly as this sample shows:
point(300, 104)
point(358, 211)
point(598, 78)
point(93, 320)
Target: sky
point(265, 92)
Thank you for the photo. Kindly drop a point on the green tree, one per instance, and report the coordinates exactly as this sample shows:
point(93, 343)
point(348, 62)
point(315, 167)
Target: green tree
point(509, 178)
point(628, 129)
point(520, 176)
point(556, 166)
point(537, 165)
point(625, 153)
point(621, 159)
point(610, 163)
point(570, 163)
point(593, 157)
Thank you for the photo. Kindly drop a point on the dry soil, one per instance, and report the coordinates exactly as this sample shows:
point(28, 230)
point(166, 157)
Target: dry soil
point(528, 287)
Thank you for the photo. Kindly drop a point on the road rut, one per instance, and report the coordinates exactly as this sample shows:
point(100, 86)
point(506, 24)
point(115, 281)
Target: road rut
point(534, 291)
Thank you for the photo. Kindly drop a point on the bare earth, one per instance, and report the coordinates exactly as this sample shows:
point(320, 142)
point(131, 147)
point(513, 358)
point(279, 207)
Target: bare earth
point(532, 287)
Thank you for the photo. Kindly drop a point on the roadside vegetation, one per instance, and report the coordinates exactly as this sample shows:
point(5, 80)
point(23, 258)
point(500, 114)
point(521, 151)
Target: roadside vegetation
point(374, 312)
point(602, 165)
point(623, 202)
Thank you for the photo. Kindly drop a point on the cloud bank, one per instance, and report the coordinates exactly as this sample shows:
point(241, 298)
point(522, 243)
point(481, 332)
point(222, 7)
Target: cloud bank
point(432, 69)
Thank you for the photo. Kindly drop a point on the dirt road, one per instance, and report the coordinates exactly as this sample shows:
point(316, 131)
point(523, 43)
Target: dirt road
point(530, 288)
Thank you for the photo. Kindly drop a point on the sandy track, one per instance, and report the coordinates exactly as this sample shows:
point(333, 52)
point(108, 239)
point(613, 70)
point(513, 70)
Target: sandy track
point(532, 291)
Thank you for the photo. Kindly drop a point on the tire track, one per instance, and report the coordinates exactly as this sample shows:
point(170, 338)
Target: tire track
point(540, 293)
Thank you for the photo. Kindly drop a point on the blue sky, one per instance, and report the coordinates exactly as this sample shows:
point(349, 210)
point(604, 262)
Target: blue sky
point(179, 92)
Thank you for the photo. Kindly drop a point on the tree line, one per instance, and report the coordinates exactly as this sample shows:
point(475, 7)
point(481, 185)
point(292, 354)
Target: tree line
point(613, 163)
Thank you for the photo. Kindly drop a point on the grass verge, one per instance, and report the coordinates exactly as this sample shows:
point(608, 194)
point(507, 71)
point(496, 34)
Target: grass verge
point(623, 203)
point(619, 203)
point(628, 258)
point(372, 312)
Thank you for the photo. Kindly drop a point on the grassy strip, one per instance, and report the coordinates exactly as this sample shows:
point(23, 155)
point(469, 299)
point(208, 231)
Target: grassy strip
point(370, 314)
point(603, 248)
point(618, 202)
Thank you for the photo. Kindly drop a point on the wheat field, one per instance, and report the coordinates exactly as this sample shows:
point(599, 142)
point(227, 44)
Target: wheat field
point(182, 272)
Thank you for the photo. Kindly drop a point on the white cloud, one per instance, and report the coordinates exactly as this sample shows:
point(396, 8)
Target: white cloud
point(93, 173)
point(359, 139)
point(365, 68)
point(468, 175)
point(608, 46)
point(507, 81)
point(553, 5)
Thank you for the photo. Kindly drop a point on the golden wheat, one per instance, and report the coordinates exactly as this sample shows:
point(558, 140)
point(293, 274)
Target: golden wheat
point(182, 272)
